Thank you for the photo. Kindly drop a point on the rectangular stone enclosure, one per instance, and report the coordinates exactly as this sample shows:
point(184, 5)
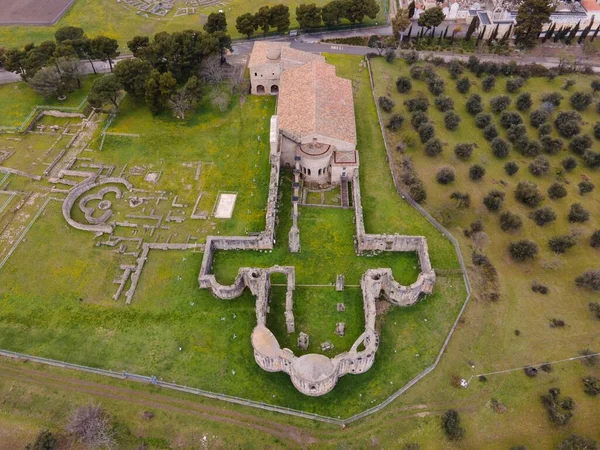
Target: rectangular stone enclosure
point(225, 205)
point(32, 12)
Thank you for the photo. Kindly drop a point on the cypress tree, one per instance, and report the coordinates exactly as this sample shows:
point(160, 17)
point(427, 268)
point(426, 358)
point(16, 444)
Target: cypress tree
point(494, 34)
point(411, 9)
point(472, 27)
point(595, 34)
point(446, 32)
point(557, 35)
point(480, 37)
point(586, 31)
point(572, 34)
point(549, 32)
point(507, 34)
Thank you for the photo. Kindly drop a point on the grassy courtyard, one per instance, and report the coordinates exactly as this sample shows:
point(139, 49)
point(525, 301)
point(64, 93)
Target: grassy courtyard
point(120, 21)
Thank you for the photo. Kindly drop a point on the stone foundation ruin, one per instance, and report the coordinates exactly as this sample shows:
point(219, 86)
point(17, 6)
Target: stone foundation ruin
point(315, 374)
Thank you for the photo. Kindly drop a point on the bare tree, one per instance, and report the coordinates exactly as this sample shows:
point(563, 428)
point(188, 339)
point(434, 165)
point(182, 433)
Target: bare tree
point(91, 426)
point(212, 71)
point(220, 99)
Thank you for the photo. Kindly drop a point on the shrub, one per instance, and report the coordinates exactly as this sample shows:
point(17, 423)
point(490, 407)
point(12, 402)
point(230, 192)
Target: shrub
point(411, 57)
point(482, 120)
point(490, 132)
point(45, 440)
point(569, 82)
point(528, 194)
point(474, 105)
point(554, 98)
point(396, 122)
point(476, 172)
point(595, 239)
point(411, 181)
point(557, 191)
point(386, 103)
point(581, 100)
point(445, 175)
point(463, 200)
point(463, 85)
point(455, 69)
point(560, 244)
point(417, 72)
point(569, 163)
point(500, 148)
point(529, 148)
point(590, 358)
point(589, 280)
point(493, 200)
point(543, 216)
point(511, 168)
point(575, 442)
point(444, 103)
point(578, 214)
point(568, 123)
point(463, 151)
point(433, 147)
point(474, 228)
point(539, 166)
point(551, 145)
point(517, 132)
point(417, 104)
point(524, 101)
point(538, 117)
point(514, 84)
point(591, 385)
point(510, 118)
point(451, 425)
point(580, 143)
point(500, 103)
point(595, 85)
point(597, 130)
point(585, 187)
point(451, 120)
point(488, 83)
point(418, 118)
point(510, 221)
point(545, 129)
point(436, 85)
point(91, 426)
point(403, 84)
point(591, 159)
point(539, 288)
point(426, 132)
point(523, 250)
point(559, 411)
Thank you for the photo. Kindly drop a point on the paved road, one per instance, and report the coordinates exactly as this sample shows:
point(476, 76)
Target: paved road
point(310, 43)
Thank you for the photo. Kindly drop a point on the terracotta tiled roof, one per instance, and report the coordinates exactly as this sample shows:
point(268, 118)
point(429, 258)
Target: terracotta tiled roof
point(279, 53)
point(261, 49)
point(313, 99)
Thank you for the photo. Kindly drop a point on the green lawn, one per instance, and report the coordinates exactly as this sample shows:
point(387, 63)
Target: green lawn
point(17, 100)
point(119, 21)
point(69, 313)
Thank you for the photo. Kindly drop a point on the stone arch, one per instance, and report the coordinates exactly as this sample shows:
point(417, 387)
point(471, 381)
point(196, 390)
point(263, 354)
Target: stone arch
point(260, 89)
point(274, 89)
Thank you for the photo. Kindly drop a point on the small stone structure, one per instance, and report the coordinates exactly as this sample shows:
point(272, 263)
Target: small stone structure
point(340, 329)
point(303, 341)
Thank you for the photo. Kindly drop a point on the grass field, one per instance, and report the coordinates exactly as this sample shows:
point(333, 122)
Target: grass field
point(487, 335)
point(81, 323)
point(17, 100)
point(119, 21)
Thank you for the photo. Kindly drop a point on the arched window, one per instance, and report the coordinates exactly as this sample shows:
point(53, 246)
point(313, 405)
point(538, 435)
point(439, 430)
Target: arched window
point(274, 89)
point(260, 89)
point(309, 172)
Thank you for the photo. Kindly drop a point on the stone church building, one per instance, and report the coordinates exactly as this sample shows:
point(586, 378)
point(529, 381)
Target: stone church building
point(315, 111)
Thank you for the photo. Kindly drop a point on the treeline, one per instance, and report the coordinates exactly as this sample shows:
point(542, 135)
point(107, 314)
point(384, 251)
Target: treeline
point(307, 15)
point(168, 71)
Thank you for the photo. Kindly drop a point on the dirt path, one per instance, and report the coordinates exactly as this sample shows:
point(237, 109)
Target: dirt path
point(158, 401)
